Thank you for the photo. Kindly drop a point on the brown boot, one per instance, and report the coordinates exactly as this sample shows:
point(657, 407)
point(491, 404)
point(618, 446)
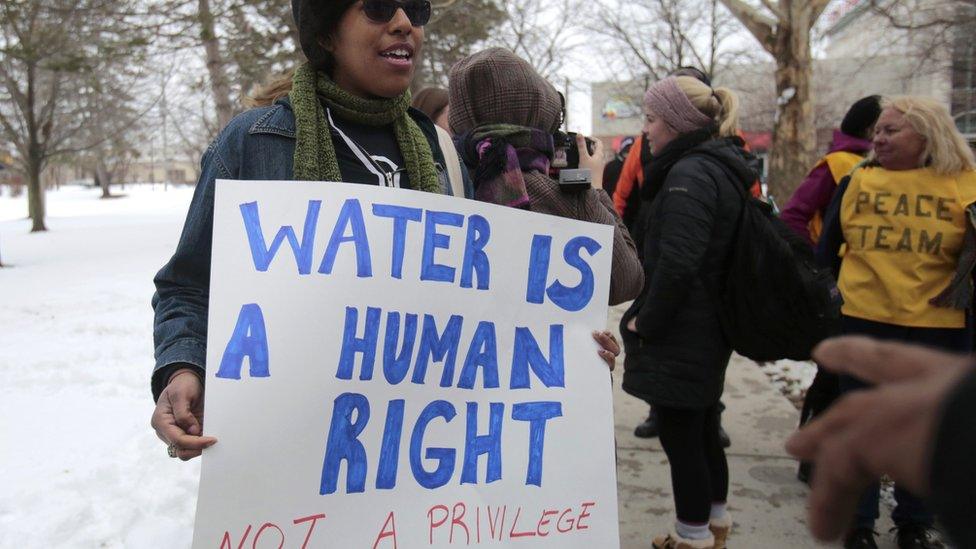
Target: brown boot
point(720, 528)
point(673, 541)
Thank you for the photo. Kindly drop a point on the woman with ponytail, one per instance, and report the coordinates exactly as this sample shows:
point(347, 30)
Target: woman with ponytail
point(343, 116)
point(676, 353)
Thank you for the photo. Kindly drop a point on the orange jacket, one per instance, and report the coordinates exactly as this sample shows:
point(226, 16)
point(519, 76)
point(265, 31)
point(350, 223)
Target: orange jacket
point(631, 176)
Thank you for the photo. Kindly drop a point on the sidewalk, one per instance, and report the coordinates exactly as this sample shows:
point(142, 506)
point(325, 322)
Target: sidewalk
point(767, 502)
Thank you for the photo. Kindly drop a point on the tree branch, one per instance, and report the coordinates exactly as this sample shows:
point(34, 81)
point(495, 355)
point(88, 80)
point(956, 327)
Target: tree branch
point(817, 8)
point(761, 26)
point(776, 8)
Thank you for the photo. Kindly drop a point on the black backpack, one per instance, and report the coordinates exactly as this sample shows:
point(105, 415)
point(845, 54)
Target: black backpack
point(776, 302)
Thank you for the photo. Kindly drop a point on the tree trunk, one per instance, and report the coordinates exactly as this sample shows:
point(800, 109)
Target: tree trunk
point(786, 36)
point(215, 64)
point(35, 195)
point(35, 157)
point(794, 133)
point(103, 178)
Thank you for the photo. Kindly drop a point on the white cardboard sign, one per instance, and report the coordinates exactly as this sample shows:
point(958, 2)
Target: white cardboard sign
point(396, 369)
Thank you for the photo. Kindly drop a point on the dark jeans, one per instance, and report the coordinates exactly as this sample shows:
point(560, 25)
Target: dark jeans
point(910, 509)
point(699, 471)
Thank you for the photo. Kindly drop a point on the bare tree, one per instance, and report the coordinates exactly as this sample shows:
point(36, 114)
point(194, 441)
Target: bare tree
point(935, 37)
point(460, 27)
point(55, 58)
point(216, 63)
point(654, 38)
point(648, 40)
point(541, 32)
point(783, 29)
point(456, 29)
point(241, 43)
point(110, 160)
point(924, 14)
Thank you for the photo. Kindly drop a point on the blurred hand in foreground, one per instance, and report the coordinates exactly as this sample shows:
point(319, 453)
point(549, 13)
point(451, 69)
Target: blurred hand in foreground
point(888, 429)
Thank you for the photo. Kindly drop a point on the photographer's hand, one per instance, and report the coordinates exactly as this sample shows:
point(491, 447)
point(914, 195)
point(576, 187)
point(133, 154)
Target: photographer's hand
point(593, 162)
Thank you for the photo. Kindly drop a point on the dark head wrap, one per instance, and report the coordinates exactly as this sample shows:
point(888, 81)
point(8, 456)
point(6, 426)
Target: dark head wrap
point(495, 86)
point(503, 114)
point(317, 20)
point(861, 116)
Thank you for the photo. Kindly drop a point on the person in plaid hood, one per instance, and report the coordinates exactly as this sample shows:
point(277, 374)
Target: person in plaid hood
point(504, 115)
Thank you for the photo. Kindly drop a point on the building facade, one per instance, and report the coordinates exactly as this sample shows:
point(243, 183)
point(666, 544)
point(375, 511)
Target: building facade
point(912, 47)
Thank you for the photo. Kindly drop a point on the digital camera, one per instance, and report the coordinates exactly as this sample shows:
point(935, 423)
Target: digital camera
point(566, 152)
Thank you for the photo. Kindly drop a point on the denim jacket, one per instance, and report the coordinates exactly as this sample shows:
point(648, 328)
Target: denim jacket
point(256, 145)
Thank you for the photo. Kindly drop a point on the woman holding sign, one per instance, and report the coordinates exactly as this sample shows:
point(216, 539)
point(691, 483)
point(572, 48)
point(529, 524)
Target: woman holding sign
point(905, 218)
point(676, 351)
point(343, 116)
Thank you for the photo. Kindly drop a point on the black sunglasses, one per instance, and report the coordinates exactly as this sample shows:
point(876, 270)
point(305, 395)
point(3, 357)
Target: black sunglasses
point(382, 11)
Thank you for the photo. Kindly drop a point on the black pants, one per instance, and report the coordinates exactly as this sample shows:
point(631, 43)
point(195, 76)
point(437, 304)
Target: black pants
point(699, 471)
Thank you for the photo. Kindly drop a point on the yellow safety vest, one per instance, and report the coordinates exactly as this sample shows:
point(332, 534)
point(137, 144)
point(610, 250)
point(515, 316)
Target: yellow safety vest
point(840, 163)
point(904, 232)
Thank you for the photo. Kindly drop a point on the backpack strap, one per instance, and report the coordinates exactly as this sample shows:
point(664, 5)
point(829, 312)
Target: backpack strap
point(451, 160)
point(829, 246)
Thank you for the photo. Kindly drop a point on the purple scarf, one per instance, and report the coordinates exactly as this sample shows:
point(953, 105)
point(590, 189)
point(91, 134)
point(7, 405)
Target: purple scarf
point(498, 154)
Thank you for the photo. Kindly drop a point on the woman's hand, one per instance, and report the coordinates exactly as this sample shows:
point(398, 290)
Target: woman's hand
point(178, 417)
point(610, 348)
point(593, 162)
point(632, 324)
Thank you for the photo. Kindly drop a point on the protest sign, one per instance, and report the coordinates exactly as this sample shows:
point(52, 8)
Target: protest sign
point(397, 369)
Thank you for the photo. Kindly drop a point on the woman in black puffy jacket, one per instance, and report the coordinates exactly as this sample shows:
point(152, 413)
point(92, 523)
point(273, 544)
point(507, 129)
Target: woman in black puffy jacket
point(676, 352)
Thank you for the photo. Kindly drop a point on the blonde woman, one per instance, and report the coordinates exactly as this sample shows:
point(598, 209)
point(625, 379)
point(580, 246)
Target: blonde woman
point(676, 352)
point(904, 217)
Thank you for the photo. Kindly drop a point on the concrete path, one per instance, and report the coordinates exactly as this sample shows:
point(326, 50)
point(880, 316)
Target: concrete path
point(767, 502)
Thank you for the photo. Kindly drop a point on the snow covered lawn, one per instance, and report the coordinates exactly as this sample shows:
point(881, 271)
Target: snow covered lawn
point(79, 464)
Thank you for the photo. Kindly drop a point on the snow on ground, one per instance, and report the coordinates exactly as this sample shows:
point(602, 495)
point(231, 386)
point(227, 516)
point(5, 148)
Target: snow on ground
point(791, 377)
point(79, 464)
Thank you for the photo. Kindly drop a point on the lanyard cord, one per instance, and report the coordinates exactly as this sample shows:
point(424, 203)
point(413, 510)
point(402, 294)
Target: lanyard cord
point(384, 177)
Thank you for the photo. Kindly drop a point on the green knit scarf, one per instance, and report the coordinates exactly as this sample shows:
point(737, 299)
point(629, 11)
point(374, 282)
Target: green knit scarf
point(315, 157)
